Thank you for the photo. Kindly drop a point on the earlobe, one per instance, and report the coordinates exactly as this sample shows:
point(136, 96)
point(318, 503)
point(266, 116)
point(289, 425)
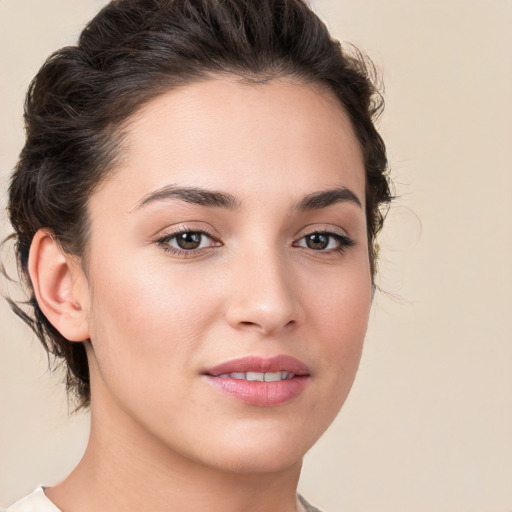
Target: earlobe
point(59, 286)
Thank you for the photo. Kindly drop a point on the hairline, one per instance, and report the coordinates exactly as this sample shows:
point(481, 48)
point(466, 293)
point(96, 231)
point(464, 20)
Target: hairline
point(118, 134)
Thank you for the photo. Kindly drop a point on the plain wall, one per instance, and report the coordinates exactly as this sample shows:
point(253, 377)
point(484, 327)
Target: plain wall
point(428, 425)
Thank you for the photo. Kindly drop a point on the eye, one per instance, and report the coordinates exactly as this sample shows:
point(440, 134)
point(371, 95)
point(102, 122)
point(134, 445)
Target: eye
point(325, 241)
point(187, 242)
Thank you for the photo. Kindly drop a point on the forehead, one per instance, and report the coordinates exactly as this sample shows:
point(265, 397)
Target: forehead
point(228, 134)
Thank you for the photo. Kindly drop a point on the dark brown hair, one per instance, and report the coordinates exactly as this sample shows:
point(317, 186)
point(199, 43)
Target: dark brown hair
point(132, 51)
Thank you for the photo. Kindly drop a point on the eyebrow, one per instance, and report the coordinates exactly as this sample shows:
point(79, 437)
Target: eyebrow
point(194, 195)
point(212, 198)
point(325, 198)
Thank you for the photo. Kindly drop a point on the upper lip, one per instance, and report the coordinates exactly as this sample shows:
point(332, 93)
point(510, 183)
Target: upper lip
point(279, 363)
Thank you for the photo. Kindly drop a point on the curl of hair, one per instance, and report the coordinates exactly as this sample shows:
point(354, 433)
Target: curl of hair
point(132, 51)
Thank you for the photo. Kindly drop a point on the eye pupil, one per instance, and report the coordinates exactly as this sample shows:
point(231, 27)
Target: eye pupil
point(188, 240)
point(317, 241)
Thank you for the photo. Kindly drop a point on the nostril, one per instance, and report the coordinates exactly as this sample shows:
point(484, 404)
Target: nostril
point(264, 312)
point(246, 323)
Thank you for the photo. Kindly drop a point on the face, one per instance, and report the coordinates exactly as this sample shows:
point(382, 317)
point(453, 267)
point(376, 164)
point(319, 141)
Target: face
point(228, 277)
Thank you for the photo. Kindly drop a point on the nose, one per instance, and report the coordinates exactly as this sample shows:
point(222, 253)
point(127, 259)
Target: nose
point(263, 297)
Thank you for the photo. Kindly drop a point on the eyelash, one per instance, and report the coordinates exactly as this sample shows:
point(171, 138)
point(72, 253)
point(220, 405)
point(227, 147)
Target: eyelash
point(344, 242)
point(164, 242)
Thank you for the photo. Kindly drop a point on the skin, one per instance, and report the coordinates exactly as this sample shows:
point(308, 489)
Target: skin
point(161, 436)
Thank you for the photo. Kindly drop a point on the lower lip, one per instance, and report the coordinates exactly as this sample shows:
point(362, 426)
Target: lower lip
point(263, 394)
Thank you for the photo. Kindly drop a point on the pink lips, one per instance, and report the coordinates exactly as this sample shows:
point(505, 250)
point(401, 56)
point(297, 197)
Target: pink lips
point(256, 392)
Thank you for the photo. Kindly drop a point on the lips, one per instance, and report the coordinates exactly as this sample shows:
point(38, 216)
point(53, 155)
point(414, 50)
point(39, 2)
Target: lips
point(261, 365)
point(263, 382)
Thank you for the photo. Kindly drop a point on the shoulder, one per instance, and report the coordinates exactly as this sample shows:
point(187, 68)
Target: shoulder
point(35, 502)
point(307, 506)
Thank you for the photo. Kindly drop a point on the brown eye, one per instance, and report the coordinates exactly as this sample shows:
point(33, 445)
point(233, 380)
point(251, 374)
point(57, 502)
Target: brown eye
point(325, 242)
point(317, 241)
point(189, 240)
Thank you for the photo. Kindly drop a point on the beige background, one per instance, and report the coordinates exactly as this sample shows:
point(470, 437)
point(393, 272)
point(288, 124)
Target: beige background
point(428, 426)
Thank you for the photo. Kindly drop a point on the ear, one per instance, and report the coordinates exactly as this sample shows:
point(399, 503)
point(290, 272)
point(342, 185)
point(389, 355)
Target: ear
point(60, 286)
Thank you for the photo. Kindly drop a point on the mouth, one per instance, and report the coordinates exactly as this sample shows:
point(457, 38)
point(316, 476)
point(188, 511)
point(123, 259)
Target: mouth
point(257, 368)
point(258, 376)
point(263, 382)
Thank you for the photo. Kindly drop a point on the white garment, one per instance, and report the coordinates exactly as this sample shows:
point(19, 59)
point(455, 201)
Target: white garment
point(35, 502)
point(38, 502)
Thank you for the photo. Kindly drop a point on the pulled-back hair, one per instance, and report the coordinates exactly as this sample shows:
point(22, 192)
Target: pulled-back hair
point(131, 52)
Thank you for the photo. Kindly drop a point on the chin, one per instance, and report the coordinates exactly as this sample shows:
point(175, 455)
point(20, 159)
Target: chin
point(261, 461)
point(258, 451)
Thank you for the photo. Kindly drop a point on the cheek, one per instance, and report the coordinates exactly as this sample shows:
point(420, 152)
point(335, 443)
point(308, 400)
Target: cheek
point(145, 321)
point(339, 319)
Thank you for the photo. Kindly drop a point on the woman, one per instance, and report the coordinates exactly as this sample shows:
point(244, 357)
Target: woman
point(195, 211)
